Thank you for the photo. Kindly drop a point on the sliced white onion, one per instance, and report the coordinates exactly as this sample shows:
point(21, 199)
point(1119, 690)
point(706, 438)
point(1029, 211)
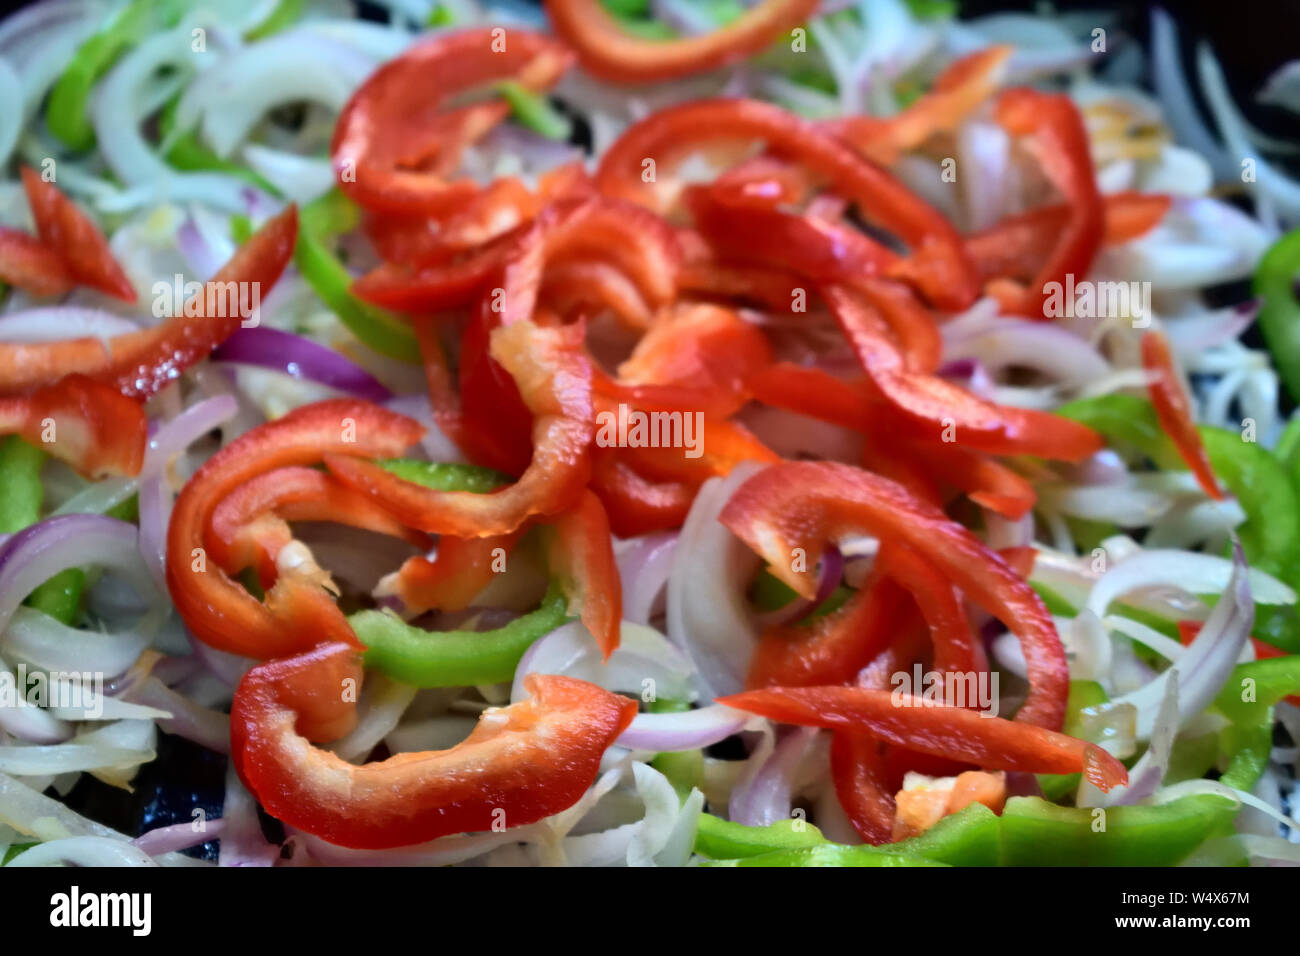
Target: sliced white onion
point(41, 640)
point(688, 730)
point(643, 566)
point(707, 613)
point(644, 662)
point(242, 841)
point(1190, 572)
point(385, 702)
point(766, 795)
point(299, 178)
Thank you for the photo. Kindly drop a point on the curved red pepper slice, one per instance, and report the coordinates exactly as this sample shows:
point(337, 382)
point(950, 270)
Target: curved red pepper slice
point(31, 265)
point(956, 93)
point(939, 407)
point(140, 363)
point(809, 504)
point(956, 648)
point(1174, 412)
point(1017, 247)
point(611, 53)
point(394, 127)
point(634, 503)
point(92, 427)
point(298, 613)
point(77, 241)
point(861, 785)
point(453, 577)
point(1060, 142)
point(833, 648)
point(251, 525)
point(580, 554)
point(528, 761)
point(911, 323)
point(949, 732)
point(639, 164)
point(554, 381)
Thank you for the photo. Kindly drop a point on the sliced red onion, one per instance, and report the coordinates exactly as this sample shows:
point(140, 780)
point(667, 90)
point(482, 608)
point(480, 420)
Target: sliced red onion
point(302, 358)
point(242, 840)
point(644, 661)
point(643, 566)
point(708, 615)
point(203, 260)
point(36, 554)
point(189, 426)
point(1149, 772)
point(60, 322)
point(1209, 659)
point(689, 730)
point(179, 836)
point(830, 572)
point(204, 726)
point(1188, 571)
point(767, 795)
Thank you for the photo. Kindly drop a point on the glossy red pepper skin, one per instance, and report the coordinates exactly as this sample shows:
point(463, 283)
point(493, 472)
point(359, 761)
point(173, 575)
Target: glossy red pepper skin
point(138, 364)
point(939, 408)
point(453, 577)
point(251, 525)
point(580, 555)
point(811, 504)
point(554, 381)
point(93, 428)
point(77, 241)
point(611, 53)
point(1174, 411)
point(957, 649)
point(298, 613)
point(1059, 139)
point(527, 761)
point(949, 732)
point(635, 503)
point(394, 142)
point(938, 265)
point(1018, 246)
point(31, 265)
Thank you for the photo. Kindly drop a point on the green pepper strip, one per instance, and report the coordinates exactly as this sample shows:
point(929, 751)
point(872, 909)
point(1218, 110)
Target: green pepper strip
point(188, 154)
point(684, 769)
point(322, 219)
point(1279, 316)
point(533, 111)
point(20, 507)
point(1029, 832)
point(285, 13)
point(452, 658)
point(1270, 535)
point(1247, 701)
point(66, 114)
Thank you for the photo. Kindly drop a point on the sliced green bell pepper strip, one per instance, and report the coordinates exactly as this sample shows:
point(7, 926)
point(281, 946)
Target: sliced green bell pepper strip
point(1279, 314)
point(1247, 700)
point(441, 476)
point(286, 13)
point(1270, 535)
point(723, 840)
point(66, 112)
point(321, 219)
point(533, 111)
point(1029, 832)
point(454, 658)
point(188, 154)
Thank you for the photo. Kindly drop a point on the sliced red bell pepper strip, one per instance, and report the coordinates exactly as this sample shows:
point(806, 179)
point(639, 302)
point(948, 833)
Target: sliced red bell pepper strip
point(250, 526)
point(140, 363)
point(394, 143)
point(580, 554)
point(526, 761)
point(637, 504)
point(956, 648)
point(956, 93)
point(1060, 143)
point(938, 265)
point(1017, 247)
point(554, 381)
point(453, 577)
point(771, 288)
point(950, 732)
point(911, 323)
point(858, 774)
point(810, 504)
point(31, 265)
point(77, 241)
point(1175, 412)
point(79, 421)
point(577, 288)
point(832, 648)
point(298, 613)
point(608, 51)
point(938, 406)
